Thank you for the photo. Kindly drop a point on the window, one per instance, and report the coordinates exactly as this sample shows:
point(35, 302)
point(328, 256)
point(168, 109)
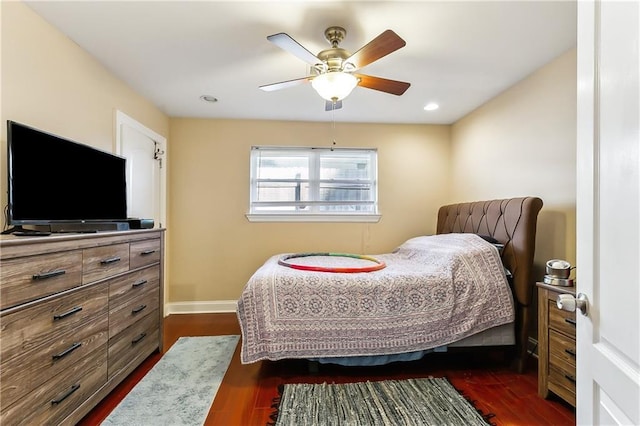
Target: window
point(311, 184)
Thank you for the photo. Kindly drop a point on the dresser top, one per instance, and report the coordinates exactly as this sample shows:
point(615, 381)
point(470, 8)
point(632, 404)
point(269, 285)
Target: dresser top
point(14, 246)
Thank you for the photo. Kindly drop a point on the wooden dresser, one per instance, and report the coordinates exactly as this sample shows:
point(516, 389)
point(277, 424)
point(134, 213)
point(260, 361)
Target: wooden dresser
point(556, 345)
point(79, 312)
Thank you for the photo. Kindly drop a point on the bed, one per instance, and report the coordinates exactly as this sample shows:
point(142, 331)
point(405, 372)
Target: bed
point(470, 284)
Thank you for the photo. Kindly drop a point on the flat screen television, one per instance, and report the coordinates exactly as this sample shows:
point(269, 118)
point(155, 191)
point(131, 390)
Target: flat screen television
point(56, 180)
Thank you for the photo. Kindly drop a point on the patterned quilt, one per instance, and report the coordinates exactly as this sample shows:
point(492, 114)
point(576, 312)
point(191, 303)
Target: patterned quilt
point(435, 290)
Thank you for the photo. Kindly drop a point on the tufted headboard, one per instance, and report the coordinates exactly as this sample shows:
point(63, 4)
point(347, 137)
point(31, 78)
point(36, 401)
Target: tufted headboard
point(512, 222)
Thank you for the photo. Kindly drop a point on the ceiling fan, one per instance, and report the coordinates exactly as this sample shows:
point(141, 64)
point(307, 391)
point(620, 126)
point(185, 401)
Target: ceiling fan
point(333, 71)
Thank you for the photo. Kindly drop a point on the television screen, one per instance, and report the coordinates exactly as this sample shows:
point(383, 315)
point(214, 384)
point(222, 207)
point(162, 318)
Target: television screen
point(52, 179)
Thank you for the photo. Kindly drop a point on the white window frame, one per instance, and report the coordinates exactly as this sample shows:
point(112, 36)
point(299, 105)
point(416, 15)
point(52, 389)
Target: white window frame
point(313, 215)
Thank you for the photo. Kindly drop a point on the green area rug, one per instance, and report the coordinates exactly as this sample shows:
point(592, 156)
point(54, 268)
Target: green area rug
point(180, 388)
point(412, 402)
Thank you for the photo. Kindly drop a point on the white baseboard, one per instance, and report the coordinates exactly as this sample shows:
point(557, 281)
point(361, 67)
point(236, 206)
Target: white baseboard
point(204, 307)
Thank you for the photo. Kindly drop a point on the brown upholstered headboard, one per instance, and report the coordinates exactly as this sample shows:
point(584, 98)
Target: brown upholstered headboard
point(513, 223)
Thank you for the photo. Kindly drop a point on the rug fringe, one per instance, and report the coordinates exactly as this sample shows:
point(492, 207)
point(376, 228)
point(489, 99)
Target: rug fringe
point(275, 405)
point(473, 402)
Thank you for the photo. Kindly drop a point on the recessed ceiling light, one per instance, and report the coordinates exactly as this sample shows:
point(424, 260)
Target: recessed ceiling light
point(209, 98)
point(431, 106)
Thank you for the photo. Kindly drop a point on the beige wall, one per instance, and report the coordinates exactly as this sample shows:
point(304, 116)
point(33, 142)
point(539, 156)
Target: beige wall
point(523, 142)
point(215, 249)
point(50, 83)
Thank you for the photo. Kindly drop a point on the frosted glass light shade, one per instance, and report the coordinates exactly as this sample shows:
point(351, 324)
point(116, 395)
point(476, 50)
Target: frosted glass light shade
point(334, 86)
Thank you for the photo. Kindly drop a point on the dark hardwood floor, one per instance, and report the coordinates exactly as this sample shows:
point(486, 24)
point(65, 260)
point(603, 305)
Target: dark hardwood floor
point(247, 391)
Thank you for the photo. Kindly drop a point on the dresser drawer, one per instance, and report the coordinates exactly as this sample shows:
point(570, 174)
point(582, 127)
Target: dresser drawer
point(105, 261)
point(30, 369)
point(136, 342)
point(60, 396)
point(562, 384)
point(29, 278)
point(123, 315)
point(30, 328)
point(562, 321)
point(144, 253)
point(123, 288)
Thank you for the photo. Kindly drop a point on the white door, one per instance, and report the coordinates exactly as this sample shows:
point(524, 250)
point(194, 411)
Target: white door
point(143, 189)
point(144, 151)
point(608, 213)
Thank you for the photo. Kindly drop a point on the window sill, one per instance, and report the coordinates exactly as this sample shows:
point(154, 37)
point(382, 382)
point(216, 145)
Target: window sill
point(368, 218)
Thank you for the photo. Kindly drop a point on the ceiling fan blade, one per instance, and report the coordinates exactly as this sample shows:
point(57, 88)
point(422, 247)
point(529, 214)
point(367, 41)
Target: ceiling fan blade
point(284, 41)
point(382, 84)
point(331, 106)
point(377, 48)
point(285, 84)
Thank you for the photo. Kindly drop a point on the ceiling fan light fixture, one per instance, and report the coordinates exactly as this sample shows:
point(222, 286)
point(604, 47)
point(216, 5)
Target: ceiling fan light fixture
point(334, 85)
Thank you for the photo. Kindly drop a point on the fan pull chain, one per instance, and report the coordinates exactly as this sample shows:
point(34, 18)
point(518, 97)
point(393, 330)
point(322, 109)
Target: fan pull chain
point(333, 124)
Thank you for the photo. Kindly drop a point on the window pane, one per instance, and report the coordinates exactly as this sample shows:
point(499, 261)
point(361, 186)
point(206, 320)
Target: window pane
point(283, 166)
point(283, 191)
point(350, 166)
point(345, 192)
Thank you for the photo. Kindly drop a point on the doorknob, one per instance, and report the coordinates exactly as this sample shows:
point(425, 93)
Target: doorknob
point(567, 302)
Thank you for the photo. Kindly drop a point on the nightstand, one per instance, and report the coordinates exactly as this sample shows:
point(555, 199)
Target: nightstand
point(556, 345)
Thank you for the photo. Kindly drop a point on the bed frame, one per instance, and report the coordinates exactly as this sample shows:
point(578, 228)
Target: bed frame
point(512, 222)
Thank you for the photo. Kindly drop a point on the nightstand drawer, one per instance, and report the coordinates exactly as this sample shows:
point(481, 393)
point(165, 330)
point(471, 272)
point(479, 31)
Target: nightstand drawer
point(562, 384)
point(29, 278)
point(144, 253)
point(105, 261)
point(562, 321)
point(562, 352)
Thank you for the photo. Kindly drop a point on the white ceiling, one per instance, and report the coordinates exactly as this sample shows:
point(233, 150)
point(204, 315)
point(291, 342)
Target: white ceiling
point(458, 54)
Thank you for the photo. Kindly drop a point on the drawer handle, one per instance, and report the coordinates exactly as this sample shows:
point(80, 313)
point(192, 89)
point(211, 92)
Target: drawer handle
point(67, 351)
point(113, 259)
point(67, 394)
point(137, 339)
point(50, 274)
point(570, 378)
point(570, 352)
point(138, 309)
point(139, 283)
point(570, 321)
point(66, 314)
point(147, 252)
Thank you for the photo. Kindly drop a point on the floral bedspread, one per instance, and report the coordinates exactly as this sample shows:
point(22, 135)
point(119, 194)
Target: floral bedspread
point(435, 290)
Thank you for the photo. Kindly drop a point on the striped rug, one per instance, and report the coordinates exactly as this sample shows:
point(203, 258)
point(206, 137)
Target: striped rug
point(427, 401)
